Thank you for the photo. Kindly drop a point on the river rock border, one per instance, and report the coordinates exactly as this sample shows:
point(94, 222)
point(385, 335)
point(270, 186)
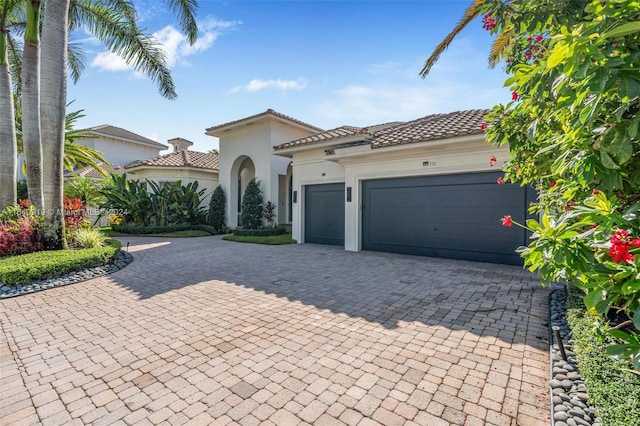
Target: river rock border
point(122, 260)
point(569, 399)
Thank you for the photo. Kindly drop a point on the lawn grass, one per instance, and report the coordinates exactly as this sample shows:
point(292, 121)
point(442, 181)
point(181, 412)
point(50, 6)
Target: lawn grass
point(46, 264)
point(269, 240)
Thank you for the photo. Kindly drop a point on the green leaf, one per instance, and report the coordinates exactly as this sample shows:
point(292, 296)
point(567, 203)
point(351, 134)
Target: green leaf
point(629, 87)
point(623, 30)
point(619, 334)
point(617, 349)
point(607, 161)
point(557, 55)
point(593, 298)
point(620, 149)
point(632, 130)
point(636, 319)
point(630, 287)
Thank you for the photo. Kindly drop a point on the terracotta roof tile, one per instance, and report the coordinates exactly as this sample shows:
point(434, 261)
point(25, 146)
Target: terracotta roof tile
point(432, 127)
point(185, 158)
point(338, 132)
point(119, 133)
point(265, 114)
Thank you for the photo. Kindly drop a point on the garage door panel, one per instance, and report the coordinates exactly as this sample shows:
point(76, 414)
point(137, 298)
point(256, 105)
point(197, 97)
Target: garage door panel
point(455, 216)
point(324, 214)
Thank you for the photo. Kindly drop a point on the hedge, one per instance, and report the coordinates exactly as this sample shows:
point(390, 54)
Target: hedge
point(260, 232)
point(41, 265)
point(141, 230)
point(613, 390)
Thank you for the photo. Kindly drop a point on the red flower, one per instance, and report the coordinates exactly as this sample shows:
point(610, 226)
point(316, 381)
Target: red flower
point(552, 183)
point(621, 242)
point(620, 253)
point(500, 181)
point(514, 96)
point(635, 242)
point(538, 37)
point(492, 161)
point(483, 126)
point(506, 220)
point(24, 203)
point(527, 56)
point(595, 192)
point(488, 22)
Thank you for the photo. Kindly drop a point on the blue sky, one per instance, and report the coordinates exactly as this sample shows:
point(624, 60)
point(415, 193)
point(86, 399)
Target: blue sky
point(328, 63)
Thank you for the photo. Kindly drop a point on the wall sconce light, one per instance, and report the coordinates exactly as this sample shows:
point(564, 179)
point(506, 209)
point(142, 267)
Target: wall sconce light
point(295, 197)
point(348, 194)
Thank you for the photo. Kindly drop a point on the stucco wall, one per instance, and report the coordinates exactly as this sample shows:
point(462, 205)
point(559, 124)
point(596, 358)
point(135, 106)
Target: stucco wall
point(206, 180)
point(117, 151)
point(354, 165)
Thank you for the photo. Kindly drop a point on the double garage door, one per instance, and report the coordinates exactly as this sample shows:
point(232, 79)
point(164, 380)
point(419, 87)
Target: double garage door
point(451, 216)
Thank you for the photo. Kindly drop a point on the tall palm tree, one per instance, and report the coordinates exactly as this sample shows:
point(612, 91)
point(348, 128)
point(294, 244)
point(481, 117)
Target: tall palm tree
point(31, 104)
point(8, 143)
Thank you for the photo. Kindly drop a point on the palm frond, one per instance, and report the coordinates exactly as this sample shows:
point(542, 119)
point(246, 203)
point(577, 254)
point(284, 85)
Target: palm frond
point(185, 12)
point(470, 14)
point(80, 156)
point(76, 59)
point(127, 41)
point(499, 47)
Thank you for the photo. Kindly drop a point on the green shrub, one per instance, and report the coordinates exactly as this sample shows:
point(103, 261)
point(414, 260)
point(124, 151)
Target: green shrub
point(269, 240)
point(260, 232)
point(46, 264)
point(88, 238)
point(251, 214)
point(144, 230)
point(613, 389)
point(216, 210)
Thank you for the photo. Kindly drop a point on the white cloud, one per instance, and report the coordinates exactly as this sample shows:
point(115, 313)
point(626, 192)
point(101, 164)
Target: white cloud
point(257, 84)
point(174, 44)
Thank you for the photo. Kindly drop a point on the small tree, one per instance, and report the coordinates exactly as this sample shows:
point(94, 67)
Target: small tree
point(251, 216)
point(216, 209)
point(269, 213)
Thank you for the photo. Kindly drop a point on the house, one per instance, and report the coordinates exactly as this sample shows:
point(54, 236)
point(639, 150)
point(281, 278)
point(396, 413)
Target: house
point(180, 165)
point(120, 146)
point(423, 187)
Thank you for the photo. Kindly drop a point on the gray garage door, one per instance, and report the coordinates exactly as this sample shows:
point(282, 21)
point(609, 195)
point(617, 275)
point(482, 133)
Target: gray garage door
point(450, 216)
point(324, 214)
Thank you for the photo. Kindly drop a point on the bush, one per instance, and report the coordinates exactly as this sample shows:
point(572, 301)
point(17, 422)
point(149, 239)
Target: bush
point(46, 264)
point(269, 213)
point(251, 215)
point(20, 230)
point(143, 230)
point(613, 389)
point(87, 238)
point(216, 210)
point(260, 232)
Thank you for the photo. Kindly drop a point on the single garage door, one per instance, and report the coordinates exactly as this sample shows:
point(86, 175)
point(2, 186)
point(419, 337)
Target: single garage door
point(324, 214)
point(450, 216)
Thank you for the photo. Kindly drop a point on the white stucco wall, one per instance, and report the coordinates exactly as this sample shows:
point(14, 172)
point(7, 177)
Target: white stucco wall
point(255, 141)
point(117, 151)
point(207, 180)
point(356, 164)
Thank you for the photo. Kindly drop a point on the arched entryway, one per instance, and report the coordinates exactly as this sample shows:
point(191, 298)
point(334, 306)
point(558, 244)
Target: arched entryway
point(242, 172)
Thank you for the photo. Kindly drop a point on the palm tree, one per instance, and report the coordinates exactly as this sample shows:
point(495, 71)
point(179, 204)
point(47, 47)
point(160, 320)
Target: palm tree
point(31, 104)
point(8, 143)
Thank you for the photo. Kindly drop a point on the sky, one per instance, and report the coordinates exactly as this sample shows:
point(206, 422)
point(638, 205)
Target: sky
point(327, 63)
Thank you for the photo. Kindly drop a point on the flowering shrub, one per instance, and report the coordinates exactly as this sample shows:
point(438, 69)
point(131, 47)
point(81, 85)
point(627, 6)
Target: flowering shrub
point(20, 230)
point(75, 214)
point(572, 128)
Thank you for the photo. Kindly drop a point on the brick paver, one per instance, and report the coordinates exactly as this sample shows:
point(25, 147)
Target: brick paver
point(204, 331)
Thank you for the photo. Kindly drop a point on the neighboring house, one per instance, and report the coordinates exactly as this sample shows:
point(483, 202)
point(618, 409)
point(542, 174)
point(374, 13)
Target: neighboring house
point(120, 146)
point(181, 164)
point(423, 187)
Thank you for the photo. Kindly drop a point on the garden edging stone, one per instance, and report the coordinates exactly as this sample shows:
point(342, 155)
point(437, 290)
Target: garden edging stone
point(123, 259)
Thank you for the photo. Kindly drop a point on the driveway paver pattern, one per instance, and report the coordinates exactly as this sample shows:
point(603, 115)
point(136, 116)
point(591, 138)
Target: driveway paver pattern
point(205, 331)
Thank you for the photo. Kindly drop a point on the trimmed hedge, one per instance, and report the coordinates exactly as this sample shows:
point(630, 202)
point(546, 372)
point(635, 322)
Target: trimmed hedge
point(613, 390)
point(141, 230)
point(46, 264)
point(260, 232)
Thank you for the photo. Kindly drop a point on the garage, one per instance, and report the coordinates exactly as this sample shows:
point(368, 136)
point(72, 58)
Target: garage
point(453, 216)
point(324, 214)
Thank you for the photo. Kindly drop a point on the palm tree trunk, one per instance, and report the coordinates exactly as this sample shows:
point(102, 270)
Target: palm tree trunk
point(8, 145)
point(53, 100)
point(31, 104)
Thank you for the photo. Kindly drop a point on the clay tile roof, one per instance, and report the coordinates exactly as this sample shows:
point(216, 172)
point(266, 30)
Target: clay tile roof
point(267, 113)
point(432, 127)
point(338, 132)
point(91, 172)
point(185, 158)
point(119, 133)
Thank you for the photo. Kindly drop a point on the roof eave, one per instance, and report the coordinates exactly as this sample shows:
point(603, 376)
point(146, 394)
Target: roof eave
point(156, 145)
point(328, 144)
point(218, 131)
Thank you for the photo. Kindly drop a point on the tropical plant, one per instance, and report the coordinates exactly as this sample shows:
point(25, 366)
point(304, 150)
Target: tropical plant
point(217, 205)
point(572, 128)
point(269, 213)
point(251, 212)
point(86, 189)
point(129, 198)
point(87, 238)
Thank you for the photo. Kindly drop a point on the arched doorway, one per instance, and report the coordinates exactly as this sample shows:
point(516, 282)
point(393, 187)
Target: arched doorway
point(242, 172)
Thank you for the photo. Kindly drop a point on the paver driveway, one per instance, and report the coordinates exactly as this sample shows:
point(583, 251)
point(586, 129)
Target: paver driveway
point(205, 331)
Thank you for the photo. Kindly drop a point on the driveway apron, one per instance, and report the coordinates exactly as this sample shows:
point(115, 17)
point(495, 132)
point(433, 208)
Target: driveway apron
point(206, 331)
